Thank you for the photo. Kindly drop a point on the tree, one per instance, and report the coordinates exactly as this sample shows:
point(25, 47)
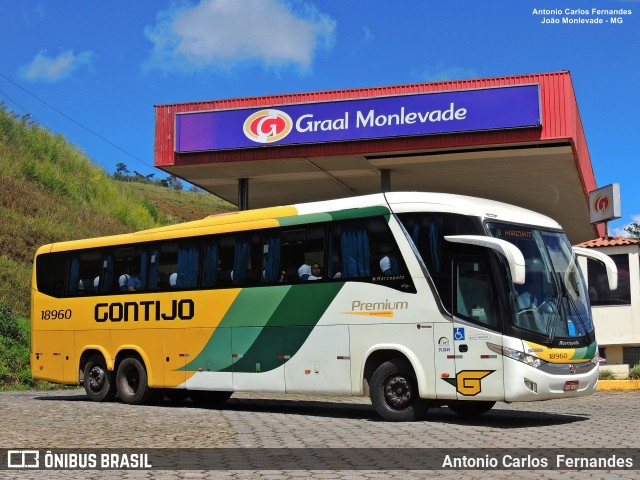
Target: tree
point(121, 170)
point(174, 183)
point(633, 230)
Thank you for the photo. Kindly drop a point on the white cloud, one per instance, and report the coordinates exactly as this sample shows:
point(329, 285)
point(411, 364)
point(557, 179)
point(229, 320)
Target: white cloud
point(224, 33)
point(367, 37)
point(53, 69)
point(621, 232)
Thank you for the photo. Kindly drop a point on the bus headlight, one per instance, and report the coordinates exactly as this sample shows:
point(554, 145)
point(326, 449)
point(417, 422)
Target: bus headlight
point(517, 355)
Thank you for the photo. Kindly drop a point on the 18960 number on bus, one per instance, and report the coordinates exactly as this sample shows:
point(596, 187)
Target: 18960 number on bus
point(56, 314)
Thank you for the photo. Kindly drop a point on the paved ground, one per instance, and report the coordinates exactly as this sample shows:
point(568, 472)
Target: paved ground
point(66, 419)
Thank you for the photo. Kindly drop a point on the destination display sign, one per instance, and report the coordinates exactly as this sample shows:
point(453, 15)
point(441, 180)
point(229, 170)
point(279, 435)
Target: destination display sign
point(360, 119)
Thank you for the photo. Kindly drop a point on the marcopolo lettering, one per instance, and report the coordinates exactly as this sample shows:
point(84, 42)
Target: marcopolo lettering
point(144, 311)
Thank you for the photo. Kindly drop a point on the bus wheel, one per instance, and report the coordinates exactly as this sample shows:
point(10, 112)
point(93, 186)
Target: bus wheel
point(394, 392)
point(131, 381)
point(470, 408)
point(98, 381)
point(209, 396)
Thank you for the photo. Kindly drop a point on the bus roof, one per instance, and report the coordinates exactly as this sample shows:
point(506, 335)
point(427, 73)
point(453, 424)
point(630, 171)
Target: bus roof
point(400, 202)
point(397, 202)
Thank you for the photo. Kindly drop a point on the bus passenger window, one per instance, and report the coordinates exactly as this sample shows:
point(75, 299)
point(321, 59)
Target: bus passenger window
point(50, 271)
point(129, 269)
point(176, 265)
point(302, 249)
point(210, 262)
point(365, 250)
point(84, 268)
point(238, 260)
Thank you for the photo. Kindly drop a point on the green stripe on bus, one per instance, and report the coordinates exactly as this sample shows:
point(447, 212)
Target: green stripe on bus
point(287, 330)
point(348, 214)
point(354, 213)
point(251, 337)
point(585, 353)
point(252, 308)
point(304, 219)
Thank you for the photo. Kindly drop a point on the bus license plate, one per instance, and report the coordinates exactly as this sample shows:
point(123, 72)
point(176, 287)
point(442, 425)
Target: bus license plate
point(571, 385)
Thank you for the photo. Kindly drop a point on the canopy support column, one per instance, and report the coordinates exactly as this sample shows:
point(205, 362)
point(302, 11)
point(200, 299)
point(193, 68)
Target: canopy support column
point(243, 194)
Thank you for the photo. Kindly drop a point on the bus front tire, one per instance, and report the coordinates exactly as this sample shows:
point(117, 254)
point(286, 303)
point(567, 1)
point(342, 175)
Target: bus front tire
point(470, 408)
point(131, 382)
point(98, 381)
point(394, 392)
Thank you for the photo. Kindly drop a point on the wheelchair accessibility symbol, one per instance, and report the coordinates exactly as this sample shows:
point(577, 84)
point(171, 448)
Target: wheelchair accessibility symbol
point(458, 334)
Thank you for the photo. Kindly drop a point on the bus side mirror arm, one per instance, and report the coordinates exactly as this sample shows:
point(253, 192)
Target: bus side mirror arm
point(612, 269)
point(514, 256)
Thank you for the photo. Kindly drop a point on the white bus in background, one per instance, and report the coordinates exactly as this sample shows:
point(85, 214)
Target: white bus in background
point(415, 299)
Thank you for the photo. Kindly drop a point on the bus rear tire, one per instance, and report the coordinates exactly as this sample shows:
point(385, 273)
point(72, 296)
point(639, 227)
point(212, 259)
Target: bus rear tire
point(98, 381)
point(131, 382)
point(394, 392)
point(470, 408)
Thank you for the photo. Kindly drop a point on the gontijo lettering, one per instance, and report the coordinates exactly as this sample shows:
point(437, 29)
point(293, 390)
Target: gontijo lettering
point(144, 311)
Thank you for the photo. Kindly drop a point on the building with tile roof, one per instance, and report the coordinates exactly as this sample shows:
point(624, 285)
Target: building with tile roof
point(616, 313)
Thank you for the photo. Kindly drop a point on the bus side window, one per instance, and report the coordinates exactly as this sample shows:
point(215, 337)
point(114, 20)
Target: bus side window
point(365, 250)
point(301, 249)
point(238, 260)
point(272, 269)
point(51, 269)
point(176, 266)
point(210, 260)
point(292, 254)
point(128, 263)
point(349, 252)
point(85, 268)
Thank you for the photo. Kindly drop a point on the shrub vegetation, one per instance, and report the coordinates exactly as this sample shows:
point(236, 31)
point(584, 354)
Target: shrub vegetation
point(52, 192)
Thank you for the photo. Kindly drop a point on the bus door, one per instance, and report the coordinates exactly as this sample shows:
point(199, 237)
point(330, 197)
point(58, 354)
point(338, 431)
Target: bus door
point(476, 326)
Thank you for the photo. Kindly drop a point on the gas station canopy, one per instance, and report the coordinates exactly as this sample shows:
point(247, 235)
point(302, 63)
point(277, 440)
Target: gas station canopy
point(514, 139)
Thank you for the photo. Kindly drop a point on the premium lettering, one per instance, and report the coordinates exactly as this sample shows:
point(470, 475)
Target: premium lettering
point(358, 306)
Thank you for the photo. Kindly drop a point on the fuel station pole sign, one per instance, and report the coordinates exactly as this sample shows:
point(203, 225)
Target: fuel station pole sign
point(604, 203)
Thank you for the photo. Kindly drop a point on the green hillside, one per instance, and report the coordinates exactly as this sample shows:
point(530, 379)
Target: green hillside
point(50, 191)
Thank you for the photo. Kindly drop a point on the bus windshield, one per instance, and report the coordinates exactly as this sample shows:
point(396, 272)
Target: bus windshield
point(553, 301)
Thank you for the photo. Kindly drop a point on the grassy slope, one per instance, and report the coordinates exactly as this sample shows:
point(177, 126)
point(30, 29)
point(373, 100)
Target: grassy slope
point(50, 191)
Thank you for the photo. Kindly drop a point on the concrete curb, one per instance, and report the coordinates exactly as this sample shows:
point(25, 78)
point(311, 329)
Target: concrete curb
point(618, 385)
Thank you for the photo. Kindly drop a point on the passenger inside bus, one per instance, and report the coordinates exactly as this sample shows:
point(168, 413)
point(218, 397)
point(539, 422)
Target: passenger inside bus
point(388, 265)
point(305, 273)
point(123, 282)
point(134, 284)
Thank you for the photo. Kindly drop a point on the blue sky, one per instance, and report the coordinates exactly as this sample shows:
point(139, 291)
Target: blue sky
point(93, 71)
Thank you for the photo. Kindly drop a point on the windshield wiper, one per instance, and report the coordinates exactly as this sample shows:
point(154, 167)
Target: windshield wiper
point(582, 322)
point(561, 293)
point(557, 296)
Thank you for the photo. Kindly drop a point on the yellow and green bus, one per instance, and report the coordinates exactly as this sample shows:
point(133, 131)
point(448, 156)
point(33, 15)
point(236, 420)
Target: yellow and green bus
point(415, 299)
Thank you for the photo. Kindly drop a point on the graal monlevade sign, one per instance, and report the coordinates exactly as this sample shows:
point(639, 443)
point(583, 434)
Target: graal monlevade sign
point(360, 119)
